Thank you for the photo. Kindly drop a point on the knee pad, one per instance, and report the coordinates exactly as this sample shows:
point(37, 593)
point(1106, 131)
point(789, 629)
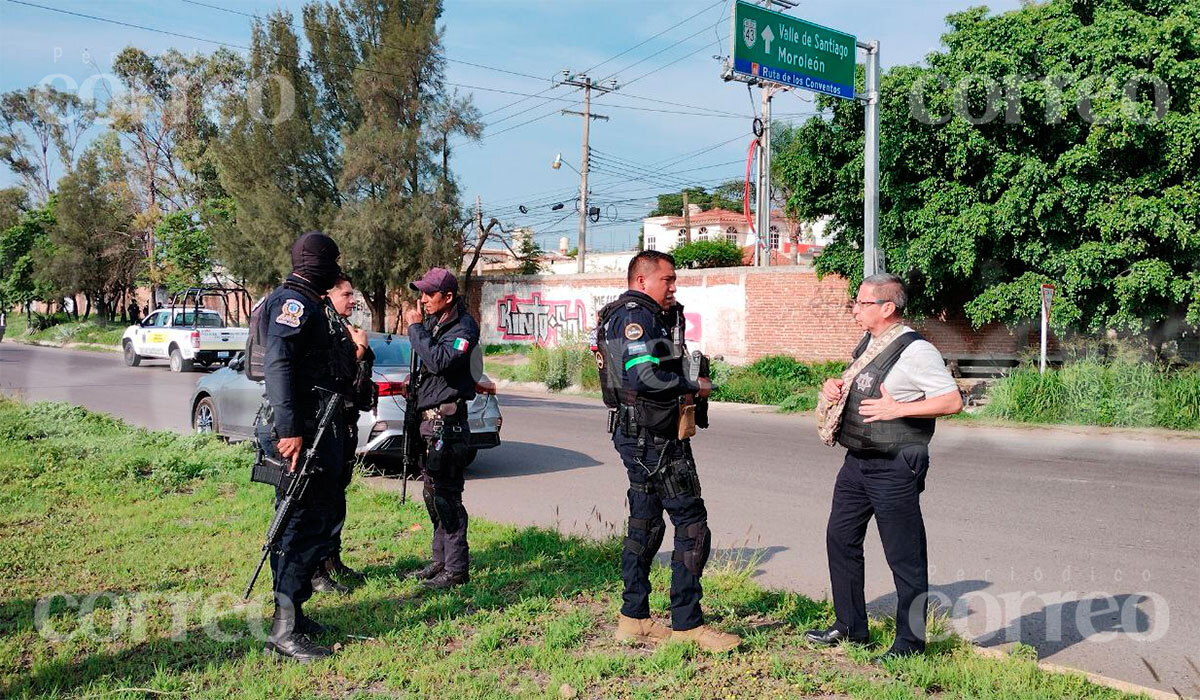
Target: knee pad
point(427, 496)
point(447, 513)
point(655, 529)
point(695, 557)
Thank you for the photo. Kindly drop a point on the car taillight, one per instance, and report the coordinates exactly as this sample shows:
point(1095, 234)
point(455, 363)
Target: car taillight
point(390, 388)
point(485, 387)
point(196, 339)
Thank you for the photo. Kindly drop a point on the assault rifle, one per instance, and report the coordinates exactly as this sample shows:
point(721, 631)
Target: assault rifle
point(410, 451)
point(298, 480)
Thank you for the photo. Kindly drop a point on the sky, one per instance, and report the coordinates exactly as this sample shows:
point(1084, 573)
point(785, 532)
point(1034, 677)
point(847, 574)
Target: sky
point(501, 51)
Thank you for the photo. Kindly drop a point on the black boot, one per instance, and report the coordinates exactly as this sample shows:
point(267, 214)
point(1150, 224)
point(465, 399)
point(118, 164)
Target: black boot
point(447, 579)
point(426, 573)
point(335, 566)
point(289, 642)
point(310, 627)
point(323, 583)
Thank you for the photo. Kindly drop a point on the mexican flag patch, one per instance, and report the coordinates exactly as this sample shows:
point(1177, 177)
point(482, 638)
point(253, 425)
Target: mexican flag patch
point(460, 344)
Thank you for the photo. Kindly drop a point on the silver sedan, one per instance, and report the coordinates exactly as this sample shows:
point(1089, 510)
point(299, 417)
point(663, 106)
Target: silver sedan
point(226, 401)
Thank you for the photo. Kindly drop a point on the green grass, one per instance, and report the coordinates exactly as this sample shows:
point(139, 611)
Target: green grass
point(1092, 392)
point(166, 528)
point(778, 380)
point(88, 332)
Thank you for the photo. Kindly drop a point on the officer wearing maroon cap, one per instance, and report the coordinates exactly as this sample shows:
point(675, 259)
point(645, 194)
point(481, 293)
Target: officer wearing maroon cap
point(446, 341)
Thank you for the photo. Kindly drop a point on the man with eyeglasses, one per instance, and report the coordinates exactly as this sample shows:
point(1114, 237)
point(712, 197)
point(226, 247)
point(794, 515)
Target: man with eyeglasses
point(882, 410)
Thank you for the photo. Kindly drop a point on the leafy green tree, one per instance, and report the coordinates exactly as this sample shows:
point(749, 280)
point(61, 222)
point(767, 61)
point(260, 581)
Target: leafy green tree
point(91, 250)
point(400, 212)
point(19, 244)
point(185, 250)
point(274, 161)
point(707, 254)
point(1018, 157)
point(723, 197)
point(55, 121)
point(14, 202)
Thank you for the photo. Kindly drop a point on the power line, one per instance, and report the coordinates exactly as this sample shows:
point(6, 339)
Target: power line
point(379, 45)
point(592, 68)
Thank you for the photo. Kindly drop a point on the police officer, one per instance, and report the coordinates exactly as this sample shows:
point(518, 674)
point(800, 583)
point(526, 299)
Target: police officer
point(887, 402)
point(298, 353)
point(446, 342)
point(645, 384)
point(356, 360)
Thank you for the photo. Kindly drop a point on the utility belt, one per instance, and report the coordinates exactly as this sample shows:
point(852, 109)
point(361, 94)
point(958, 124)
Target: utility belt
point(665, 419)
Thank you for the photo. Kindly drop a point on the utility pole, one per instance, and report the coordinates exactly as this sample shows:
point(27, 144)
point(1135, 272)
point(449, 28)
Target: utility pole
point(762, 254)
point(583, 81)
point(687, 219)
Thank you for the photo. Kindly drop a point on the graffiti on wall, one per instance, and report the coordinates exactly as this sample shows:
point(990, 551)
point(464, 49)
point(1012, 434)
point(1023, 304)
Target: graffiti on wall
point(538, 320)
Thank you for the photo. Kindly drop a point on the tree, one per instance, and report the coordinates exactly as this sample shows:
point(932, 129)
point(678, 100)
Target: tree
point(19, 244)
point(399, 213)
point(55, 120)
point(993, 183)
point(707, 254)
point(14, 202)
point(723, 197)
point(276, 166)
point(185, 250)
point(91, 250)
point(168, 129)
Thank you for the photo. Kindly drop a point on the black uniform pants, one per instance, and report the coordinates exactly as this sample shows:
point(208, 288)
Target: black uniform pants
point(349, 456)
point(443, 475)
point(646, 529)
point(305, 540)
point(888, 487)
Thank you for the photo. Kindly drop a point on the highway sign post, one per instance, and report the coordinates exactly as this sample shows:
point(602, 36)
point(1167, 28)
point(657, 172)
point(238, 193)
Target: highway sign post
point(771, 48)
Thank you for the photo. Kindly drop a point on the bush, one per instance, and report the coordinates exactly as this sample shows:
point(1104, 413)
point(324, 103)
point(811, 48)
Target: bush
point(41, 322)
point(707, 254)
point(1092, 391)
point(775, 380)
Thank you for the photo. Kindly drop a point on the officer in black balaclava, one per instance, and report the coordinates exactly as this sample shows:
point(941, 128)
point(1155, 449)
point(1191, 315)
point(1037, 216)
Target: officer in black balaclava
point(298, 353)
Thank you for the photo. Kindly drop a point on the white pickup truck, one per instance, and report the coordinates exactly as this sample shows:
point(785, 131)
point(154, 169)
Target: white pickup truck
point(185, 336)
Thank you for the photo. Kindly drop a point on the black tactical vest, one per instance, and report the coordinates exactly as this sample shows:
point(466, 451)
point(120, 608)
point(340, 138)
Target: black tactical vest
point(886, 436)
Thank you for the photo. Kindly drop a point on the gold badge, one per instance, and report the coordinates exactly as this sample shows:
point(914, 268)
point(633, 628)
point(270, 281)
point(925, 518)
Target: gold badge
point(633, 331)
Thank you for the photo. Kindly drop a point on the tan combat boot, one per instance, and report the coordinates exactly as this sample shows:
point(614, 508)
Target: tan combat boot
point(646, 631)
point(707, 638)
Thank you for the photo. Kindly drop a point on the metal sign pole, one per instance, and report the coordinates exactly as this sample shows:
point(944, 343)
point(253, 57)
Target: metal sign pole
point(1047, 295)
point(871, 264)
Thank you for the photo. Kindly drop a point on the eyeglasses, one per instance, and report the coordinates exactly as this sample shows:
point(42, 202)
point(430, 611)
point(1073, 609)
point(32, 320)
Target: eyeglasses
point(856, 302)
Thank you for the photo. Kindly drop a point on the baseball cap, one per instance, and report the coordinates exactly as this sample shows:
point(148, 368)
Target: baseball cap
point(438, 279)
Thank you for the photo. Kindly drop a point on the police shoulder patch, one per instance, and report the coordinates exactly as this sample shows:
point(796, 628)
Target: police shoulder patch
point(633, 331)
point(290, 313)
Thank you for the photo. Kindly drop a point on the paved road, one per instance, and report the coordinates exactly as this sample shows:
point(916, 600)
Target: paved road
point(1083, 543)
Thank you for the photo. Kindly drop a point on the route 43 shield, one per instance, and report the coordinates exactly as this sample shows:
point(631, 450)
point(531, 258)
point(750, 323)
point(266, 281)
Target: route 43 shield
point(749, 32)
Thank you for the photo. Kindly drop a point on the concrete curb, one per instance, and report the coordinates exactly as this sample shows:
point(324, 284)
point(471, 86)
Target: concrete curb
point(1096, 678)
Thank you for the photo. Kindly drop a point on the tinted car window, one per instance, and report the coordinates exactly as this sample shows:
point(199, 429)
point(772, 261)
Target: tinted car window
point(391, 351)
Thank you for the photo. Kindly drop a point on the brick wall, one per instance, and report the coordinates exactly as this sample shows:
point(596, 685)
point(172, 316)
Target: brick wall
point(786, 310)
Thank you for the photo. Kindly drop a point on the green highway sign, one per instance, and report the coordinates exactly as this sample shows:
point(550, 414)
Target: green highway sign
point(775, 47)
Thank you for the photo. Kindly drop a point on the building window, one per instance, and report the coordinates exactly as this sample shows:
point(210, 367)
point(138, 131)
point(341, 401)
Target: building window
point(773, 240)
point(703, 234)
point(731, 235)
point(650, 243)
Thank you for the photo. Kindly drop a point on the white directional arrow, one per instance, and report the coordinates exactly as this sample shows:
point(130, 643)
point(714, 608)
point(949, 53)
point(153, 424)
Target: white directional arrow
point(767, 36)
